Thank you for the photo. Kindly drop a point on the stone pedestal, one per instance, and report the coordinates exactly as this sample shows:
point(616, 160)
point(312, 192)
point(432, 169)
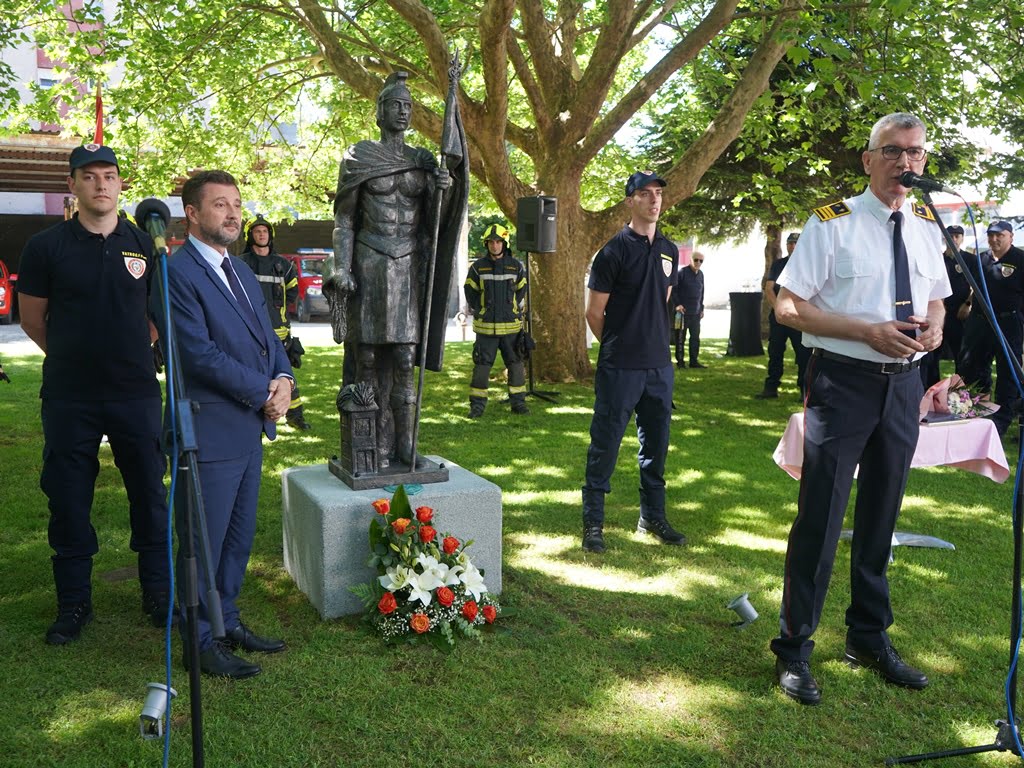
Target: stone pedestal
point(326, 530)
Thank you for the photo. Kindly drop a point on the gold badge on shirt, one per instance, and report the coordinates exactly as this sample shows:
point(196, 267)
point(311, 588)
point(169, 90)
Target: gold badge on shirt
point(1006, 269)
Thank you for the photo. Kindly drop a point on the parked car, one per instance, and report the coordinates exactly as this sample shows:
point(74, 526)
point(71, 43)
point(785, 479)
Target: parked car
point(309, 264)
point(7, 281)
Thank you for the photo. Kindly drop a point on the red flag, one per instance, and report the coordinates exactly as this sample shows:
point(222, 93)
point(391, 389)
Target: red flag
point(97, 137)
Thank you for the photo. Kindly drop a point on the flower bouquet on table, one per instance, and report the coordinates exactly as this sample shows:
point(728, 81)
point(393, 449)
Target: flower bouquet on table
point(953, 400)
point(427, 587)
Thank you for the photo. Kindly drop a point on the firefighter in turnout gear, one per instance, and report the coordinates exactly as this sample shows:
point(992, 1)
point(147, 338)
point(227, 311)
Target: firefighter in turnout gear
point(280, 284)
point(495, 291)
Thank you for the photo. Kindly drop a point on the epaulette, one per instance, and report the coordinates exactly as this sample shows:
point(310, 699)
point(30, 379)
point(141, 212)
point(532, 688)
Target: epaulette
point(923, 212)
point(833, 211)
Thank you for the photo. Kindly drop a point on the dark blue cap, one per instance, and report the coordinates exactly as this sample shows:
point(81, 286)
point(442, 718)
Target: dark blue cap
point(999, 226)
point(92, 153)
point(641, 179)
point(955, 229)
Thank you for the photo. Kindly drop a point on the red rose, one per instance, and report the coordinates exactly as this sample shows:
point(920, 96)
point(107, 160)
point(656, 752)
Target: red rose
point(449, 545)
point(383, 506)
point(419, 622)
point(424, 514)
point(469, 610)
point(445, 596)
point(387, 603)
point(427, 534)
point(400, 525)
point(490, 613)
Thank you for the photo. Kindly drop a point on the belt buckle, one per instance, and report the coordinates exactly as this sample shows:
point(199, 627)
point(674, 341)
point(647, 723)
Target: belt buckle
point(892, 368)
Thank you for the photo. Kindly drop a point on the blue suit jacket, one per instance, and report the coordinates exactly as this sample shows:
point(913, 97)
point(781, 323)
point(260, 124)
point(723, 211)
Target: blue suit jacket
point(226, 362)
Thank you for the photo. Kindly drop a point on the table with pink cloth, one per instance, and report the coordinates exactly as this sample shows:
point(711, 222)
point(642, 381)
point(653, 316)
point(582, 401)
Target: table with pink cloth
point(971, 444)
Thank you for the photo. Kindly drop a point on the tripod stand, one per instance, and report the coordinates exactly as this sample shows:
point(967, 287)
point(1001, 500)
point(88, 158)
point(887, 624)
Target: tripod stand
point(1007, 736)
point(191, 522)
point(528, 326)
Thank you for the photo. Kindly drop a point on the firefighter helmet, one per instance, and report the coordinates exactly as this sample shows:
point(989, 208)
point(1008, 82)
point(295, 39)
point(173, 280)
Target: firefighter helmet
point(495, 232)
point(259, 221)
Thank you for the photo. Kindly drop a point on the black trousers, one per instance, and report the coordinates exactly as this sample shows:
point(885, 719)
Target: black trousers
point(778, 335)
point(978, 348)
point(852, 417)
point(691, 323)
point(72, 431)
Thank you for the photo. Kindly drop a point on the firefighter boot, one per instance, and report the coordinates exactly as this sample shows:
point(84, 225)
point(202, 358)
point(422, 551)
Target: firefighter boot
point(296, 419)
point(477, 405)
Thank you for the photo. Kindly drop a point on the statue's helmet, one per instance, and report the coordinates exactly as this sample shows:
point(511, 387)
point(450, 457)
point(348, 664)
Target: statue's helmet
point(394, 88)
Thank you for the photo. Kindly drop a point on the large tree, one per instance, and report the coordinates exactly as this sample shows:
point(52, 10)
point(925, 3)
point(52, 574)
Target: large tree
point(268, 89)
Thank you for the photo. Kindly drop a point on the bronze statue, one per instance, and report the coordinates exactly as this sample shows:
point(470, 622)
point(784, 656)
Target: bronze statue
point(394, 208)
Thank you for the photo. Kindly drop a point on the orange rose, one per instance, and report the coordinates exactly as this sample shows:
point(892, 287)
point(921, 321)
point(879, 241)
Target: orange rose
point(400, 525)
point(419, 622)
point(387, 603)
point(383, 506)
point(427, 534)
point(445, 596)
point(469, 610)
point(490, 613)
point(424, 514)
point(449, 545)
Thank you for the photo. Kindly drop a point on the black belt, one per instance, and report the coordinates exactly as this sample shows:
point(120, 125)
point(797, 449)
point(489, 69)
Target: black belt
point(867, 365)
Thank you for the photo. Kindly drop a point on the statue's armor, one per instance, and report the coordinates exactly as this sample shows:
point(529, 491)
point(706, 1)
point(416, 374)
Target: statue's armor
point(386, 260)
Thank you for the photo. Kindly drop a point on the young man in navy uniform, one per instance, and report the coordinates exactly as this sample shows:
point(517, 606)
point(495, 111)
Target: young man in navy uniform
point(84, 286)
point(865, 286)
point(630, 283)
point(958, 307)
point(1003, 269)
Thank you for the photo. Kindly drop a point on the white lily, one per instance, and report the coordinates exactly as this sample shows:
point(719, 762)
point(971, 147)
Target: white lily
point(447, 576)
point(473, 581)
point(395, 578)
point(422, 584)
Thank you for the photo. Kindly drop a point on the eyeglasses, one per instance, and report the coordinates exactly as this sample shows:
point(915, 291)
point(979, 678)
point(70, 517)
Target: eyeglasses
point(697, 261)
point(892, 152)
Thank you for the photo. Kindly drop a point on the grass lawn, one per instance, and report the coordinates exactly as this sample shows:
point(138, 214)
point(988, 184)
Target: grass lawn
point(623, 659)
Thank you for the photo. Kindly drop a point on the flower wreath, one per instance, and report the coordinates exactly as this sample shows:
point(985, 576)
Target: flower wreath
point(423, 589)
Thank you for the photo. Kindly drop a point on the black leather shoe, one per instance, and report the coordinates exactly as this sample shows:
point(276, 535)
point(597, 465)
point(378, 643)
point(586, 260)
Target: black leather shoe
point(767, 394)
point(697, 365)
point(888, 664)
point(797, 682)
point(680, 365)
point(218, 661)
point(241, 637)
point(155, 605)
point(593, 539)
point(662, 529)
point(68, 626)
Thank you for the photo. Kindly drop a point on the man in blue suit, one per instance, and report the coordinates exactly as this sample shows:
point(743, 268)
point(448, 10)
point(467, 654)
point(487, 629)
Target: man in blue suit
point(236, 371)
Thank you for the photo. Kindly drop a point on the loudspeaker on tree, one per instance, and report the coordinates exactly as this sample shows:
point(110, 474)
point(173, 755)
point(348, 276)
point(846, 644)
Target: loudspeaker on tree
point(537, 224)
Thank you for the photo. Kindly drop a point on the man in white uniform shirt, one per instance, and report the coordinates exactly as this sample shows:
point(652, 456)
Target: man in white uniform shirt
point(865, 287)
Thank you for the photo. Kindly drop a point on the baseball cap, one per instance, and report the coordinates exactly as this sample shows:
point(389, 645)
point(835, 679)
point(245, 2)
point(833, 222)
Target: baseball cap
point(641, 179)
point(92, 153)
point(955, 229)
point(793, 237)
point(999, 226)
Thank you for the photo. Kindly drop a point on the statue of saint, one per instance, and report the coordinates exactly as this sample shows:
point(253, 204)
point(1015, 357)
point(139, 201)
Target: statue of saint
point(393, 204)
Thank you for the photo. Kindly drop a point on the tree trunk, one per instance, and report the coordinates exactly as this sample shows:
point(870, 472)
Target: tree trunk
point(772, 251)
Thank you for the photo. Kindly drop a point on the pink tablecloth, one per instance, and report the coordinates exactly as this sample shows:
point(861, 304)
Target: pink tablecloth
point(971, 444)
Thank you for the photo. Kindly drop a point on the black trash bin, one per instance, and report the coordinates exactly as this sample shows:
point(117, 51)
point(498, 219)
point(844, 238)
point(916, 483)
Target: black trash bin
point(745, 324)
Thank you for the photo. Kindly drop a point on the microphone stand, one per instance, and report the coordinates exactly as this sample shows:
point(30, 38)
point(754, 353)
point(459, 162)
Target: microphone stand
point(528, 318)
point(181, 434)
point(1007, 731)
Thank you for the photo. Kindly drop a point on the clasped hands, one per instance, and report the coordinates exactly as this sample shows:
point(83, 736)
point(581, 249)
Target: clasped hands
point(280, 398)
point(889, 339)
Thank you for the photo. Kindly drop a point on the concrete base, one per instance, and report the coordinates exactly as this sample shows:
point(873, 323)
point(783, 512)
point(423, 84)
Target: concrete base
point(326, 530)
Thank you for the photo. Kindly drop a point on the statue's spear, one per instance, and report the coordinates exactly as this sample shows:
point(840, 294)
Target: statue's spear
point(451, 147)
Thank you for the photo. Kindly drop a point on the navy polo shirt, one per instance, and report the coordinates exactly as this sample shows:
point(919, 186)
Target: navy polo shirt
point(637, 275)
point(97, 325)
point(957, 282)
point(1004, 279)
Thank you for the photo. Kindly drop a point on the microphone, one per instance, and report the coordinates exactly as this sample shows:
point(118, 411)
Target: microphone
point(910, 179)
point(153, 216)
